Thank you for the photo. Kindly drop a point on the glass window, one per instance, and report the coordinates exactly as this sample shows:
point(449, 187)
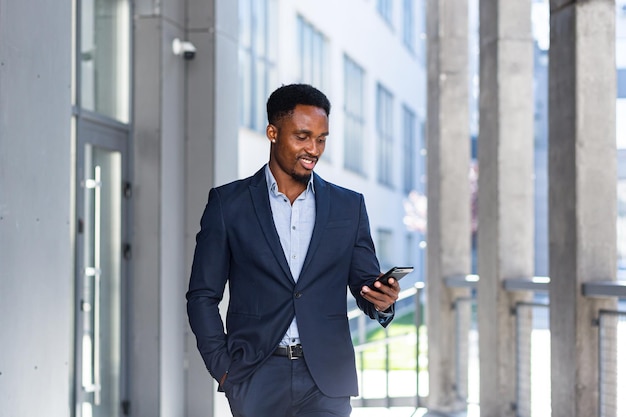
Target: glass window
point(421, 184)
point(621, 229)
point(256, 61)
point(621, 83)
point(420, 29)
point(620, 126)
point(384, 129)
point(312, 49)
point(411, 249)
point(105, 57)
point(385, 9)
point(384, 249)
point(409, 156)
point(354, 112)
point(408, 24)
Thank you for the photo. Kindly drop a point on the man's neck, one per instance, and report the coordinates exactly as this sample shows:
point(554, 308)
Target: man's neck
point(287, 184)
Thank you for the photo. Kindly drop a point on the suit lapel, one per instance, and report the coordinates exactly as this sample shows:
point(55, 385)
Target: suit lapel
point(260, 199)
point(322, 210)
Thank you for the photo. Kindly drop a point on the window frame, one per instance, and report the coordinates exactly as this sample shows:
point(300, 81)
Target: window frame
point(384, 130)
point(354, 116)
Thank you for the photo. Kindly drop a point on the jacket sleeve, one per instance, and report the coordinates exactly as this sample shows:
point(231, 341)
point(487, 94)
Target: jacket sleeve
point(364, 268)
point(209, 273)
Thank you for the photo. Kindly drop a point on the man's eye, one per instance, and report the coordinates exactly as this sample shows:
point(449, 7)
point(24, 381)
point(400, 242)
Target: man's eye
point(302, 137)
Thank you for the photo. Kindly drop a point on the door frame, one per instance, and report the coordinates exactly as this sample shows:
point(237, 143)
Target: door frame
point(101, 132)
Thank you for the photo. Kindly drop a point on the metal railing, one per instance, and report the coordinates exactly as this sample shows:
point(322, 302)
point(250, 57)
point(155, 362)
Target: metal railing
point(532, 359)
point(531, 326)
point(466, 348)
point(403, 383)
point(611, 348)
point(465, 338)
point(532, 331)
point(532, 347)
point(612, 384)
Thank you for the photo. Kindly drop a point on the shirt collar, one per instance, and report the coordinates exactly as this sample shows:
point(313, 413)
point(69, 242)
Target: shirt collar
point(272, 186)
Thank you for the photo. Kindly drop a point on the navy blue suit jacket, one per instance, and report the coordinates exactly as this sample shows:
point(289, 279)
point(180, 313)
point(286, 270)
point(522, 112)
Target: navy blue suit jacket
point(238, 244)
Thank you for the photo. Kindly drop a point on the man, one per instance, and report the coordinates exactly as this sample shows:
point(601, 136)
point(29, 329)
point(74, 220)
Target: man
point(289, 244)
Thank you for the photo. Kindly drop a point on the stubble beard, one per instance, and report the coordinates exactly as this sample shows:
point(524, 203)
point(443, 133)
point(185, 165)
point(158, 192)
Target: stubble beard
point(302, 179)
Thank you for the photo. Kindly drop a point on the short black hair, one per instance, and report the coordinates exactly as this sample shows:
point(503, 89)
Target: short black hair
point(284, 100)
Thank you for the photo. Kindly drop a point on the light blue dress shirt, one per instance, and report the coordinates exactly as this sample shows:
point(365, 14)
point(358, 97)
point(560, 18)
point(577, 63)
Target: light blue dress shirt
point(294, 224)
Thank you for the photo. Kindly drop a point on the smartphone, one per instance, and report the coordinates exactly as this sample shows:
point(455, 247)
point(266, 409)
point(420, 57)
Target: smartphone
point(397, 273)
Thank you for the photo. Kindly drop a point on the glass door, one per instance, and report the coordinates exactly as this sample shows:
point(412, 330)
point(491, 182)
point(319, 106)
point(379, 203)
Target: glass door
point(100, 376)
point(102, 98)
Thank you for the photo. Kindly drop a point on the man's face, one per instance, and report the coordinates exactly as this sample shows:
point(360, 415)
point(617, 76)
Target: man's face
point(298, 142)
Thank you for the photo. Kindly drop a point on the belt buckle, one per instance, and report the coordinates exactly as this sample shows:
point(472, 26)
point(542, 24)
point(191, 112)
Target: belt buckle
point(291, 352)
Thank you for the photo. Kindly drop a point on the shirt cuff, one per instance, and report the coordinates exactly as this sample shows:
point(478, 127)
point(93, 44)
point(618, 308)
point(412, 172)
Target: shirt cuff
point(384, 317)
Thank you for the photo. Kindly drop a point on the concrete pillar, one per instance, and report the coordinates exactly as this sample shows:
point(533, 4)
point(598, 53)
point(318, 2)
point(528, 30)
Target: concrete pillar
point(582, 193)
point(212, 117)
point(448, 148)
point(505, 194)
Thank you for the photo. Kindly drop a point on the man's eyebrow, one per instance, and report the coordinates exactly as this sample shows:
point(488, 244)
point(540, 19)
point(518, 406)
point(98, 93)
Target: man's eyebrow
point(309, 132)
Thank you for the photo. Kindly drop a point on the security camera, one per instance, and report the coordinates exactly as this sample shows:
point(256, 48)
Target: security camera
point(184, 48)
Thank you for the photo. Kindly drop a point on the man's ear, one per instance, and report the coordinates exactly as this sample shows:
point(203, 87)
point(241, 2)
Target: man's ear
point(271, 132)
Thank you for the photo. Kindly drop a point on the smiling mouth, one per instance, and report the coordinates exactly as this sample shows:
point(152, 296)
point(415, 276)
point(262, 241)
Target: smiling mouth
point(308, 162)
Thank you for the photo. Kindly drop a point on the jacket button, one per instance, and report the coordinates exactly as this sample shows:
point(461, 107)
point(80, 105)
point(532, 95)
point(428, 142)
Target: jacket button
point(298, 294)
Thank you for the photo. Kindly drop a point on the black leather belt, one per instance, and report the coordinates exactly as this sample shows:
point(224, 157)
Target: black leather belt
point(292, 352)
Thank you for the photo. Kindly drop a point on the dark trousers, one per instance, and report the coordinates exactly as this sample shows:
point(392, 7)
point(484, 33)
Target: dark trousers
point(284, 388)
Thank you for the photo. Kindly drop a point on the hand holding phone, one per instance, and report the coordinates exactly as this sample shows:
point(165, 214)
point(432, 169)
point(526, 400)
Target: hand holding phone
point(397, 273)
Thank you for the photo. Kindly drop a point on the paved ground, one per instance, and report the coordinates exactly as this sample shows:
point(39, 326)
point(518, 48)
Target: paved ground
point(387, 412)
point(472, 411)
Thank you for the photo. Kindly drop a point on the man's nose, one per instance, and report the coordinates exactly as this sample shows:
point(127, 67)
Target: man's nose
point(313, 148)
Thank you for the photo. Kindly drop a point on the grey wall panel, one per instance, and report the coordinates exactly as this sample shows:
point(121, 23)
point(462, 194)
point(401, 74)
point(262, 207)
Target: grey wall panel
point(173, 269)
point(212, 149)
point(36, 209)
point(200, 137)
point(147, 8)
point(201, 14)
point(145, 292)
point(159, 281)
point(173, 11)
